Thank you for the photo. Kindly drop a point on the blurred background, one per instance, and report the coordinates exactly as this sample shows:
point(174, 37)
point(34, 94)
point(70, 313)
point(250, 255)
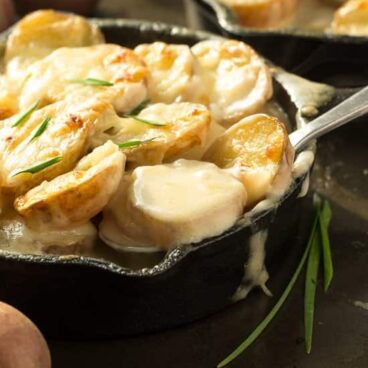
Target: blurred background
point(171, 11)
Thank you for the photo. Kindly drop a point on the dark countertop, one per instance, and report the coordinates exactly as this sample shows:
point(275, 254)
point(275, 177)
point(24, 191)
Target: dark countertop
point(341, 318)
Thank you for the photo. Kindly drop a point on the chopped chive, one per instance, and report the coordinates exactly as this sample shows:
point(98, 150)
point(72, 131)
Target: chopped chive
point(39, 167)
point(41, 128)
point(134, 143)
point(324, 222)
point(264, 323)
point(145, 121)
point(139, 107)
point(25, 115)
point(310, 289)
point(92, 82)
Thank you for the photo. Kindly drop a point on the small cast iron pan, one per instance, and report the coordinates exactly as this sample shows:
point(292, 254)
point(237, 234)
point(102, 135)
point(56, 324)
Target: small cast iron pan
point(78, 297)
point(286, 47)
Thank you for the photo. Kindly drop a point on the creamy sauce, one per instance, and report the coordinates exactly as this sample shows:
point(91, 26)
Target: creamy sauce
point(16, 236)
point(255, 273)
point(175, 204)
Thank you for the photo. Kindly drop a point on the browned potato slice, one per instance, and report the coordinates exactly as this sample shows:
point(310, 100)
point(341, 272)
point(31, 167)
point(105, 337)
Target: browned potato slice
point(65, 136)
point(62, 75)
point(77, 196)
point(21, 343)
point(262, 13)
point(352, 18)
point(237, 80)
point(43, 31)
point(258, 151)
point(171, 70)
point(186, 126)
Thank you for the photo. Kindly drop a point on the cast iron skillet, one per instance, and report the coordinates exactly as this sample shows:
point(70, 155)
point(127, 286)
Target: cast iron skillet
point(77, 297)
point(294, 46)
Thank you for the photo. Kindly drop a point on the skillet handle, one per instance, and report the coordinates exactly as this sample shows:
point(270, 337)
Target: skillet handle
point(348, 110)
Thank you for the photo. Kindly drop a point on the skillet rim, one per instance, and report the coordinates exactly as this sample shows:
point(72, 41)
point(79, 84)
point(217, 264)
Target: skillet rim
point(175, 255)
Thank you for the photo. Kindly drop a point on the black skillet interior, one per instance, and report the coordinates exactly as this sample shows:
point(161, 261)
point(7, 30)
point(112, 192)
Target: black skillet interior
point(74, 297)
point(312, 55)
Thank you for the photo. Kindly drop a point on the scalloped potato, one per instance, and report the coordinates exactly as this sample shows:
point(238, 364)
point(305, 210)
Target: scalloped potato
point(352, 18)
point(257, 150)
point(171, 71)
point(65, 136)
point(262, 13)
point(61, 75)
point(186, 126)
point(236, 78)
point(173, 204)
point(77, 196)
point(43, 31)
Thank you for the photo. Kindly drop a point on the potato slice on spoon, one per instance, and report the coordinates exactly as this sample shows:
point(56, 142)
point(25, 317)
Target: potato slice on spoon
point(257, 150)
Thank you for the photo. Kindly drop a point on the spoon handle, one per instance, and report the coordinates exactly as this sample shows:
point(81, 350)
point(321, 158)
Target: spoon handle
point(353, 107)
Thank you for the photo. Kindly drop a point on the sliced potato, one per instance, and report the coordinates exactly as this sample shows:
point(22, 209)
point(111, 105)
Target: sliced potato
point(77, 196)
point(262, 13)
point(65, 136)
point(62, 75)
point(171, 71)
point(43, 31)
point(186, 126)
point(173, 204)
point(352, 18)
point(258, 151)
point(236, 78)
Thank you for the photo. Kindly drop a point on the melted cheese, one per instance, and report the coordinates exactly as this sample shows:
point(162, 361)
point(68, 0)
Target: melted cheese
point(175, 204)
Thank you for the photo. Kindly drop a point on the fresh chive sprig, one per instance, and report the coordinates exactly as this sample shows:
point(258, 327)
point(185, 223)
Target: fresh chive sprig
point(92, 82)
point(139, 107)
point(22, 119)
point(133, 114)
point(42, 128)
point(145, 121)
point(39, 167)
point(318, 244)
point(134, 143)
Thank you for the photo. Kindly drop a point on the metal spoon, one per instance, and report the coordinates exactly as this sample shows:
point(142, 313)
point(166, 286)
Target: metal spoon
point(352, 108)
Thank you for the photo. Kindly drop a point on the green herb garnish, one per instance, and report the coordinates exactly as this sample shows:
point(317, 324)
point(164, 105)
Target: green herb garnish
point(93, 82)
point(134, 143)
point(324, 222)
point(312, 253)
point(41, 128)
point(310, 289)
point(145, 121)
point(139, 108)
point(40, 167)
point(25, 115)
